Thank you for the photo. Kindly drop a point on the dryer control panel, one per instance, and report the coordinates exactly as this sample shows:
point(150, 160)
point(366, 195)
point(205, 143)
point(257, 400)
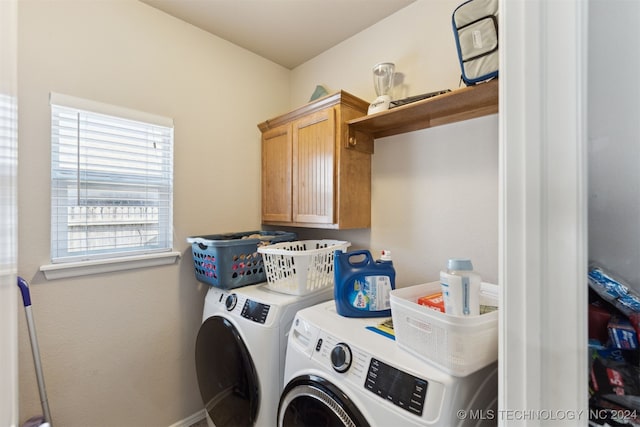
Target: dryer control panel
point(394, 385)
point(255, 311)
point(248, 308)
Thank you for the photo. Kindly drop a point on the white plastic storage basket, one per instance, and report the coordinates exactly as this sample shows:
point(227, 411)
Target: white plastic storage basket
point(300, 267)
point(456, 344)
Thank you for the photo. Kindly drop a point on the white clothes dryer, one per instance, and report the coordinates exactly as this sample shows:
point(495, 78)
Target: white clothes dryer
point(240, 351)
point(338, 373)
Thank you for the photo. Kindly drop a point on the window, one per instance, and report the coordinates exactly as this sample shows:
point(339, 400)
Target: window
point(8, 167)
point(111, 181)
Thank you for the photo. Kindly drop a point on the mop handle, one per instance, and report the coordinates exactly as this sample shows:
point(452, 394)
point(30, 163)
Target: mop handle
point(26, 299)
point(24, 290)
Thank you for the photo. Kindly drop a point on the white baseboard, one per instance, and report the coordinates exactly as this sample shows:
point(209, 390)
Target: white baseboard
point(191, 419)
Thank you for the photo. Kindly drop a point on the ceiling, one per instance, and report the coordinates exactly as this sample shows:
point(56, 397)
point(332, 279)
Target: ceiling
point(287, 32)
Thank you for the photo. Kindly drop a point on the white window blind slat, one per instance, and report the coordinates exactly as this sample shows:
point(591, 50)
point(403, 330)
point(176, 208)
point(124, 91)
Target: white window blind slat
point(112, 182)
point(8, 187)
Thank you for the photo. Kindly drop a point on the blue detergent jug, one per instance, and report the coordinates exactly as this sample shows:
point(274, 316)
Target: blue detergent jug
point(362, 286)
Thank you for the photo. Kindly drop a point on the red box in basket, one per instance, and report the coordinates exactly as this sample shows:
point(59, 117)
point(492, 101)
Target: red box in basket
point(433, 301)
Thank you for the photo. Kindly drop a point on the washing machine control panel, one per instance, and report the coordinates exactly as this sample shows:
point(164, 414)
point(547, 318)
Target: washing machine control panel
point(404, 390)
point(255, 311)
point(341, 357)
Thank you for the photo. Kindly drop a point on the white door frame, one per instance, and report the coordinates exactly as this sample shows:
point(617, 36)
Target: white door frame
point(8, 215)
point(543, 365)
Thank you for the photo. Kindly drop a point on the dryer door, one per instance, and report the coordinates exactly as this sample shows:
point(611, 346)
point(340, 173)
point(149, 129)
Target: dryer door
point(309, 400)
point(226, 374)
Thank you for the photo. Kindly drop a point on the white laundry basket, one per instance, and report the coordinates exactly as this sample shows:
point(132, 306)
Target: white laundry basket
point(459, 345)
point(300, 267)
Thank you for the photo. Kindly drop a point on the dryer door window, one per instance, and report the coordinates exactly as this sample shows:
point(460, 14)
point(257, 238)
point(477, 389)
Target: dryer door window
point(309, 400)
point(226, 374)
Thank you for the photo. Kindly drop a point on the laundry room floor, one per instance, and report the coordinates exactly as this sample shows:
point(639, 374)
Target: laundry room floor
point(201, 423)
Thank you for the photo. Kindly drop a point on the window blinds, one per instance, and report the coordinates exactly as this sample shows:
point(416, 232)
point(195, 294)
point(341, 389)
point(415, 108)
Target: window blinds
point(111, 181)
point(8, 185)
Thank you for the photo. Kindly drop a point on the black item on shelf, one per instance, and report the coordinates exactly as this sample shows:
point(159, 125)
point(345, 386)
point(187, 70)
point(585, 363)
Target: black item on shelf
point(415, 98)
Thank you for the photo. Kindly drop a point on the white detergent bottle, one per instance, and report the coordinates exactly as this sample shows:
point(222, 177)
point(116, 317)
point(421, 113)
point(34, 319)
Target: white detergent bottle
point(460, 288)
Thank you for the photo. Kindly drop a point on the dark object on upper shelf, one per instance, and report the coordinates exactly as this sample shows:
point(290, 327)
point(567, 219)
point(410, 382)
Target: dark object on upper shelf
point(475, 29)
point(415, 98)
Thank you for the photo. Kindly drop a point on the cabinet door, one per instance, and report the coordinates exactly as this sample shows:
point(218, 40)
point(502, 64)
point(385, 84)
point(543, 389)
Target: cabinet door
point(313, 168)
point(276, 174)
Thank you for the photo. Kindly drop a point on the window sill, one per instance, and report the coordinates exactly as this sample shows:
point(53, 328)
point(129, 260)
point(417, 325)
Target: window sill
point(83, 268)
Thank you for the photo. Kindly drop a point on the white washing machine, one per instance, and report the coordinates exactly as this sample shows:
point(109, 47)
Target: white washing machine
point(240, 351)
point(338, 373)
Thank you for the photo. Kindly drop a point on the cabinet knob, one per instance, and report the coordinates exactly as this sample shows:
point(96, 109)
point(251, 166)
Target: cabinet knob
point(352, 141)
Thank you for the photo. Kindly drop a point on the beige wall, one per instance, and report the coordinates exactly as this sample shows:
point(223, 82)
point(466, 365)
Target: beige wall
point(435, 191)
point(117, 348)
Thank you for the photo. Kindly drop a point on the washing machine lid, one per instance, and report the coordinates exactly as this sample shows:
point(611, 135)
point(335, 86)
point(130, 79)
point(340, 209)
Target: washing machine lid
point(312, 400)
point(227, 376)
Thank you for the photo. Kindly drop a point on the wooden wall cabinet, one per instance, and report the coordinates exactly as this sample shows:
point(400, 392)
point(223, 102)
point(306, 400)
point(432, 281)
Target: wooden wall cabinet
point(312, 176)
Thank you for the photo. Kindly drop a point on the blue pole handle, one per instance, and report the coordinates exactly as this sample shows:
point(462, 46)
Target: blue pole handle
point(24, 289)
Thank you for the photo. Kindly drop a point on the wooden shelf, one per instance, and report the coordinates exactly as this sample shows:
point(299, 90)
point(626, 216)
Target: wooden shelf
point(460, 104)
